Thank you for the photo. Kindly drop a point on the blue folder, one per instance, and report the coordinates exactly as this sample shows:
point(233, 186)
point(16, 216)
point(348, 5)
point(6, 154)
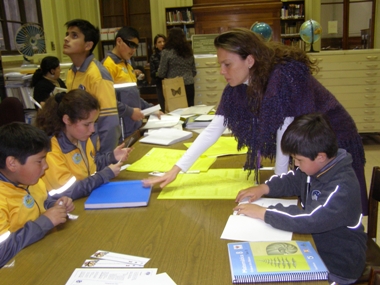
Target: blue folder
point(120, 194)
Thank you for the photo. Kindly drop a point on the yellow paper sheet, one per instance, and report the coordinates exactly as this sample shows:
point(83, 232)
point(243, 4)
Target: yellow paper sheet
point(214, 184)
point(223, 146)
point(163, 159)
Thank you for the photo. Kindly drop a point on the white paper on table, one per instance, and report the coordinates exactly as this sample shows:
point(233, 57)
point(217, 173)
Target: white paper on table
point(103, 276)
point(125, 258)
point(243, 228)
point(166, 121)
point(151, 110)
point(197, 110)
point(103, 263)
point(159, 279)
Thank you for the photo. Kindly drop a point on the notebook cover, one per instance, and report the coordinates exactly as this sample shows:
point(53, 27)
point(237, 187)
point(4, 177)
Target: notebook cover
point(119, 194)
point(275, 262)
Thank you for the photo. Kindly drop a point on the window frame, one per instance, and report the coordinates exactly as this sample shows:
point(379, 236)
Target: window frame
point(4, 23)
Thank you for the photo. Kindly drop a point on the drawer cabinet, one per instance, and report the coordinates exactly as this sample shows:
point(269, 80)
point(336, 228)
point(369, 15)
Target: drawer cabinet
point(353, 77)
point(208, 82)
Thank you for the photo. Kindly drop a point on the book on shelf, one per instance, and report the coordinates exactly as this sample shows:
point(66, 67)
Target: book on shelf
point(119, 194)
point(290, 261)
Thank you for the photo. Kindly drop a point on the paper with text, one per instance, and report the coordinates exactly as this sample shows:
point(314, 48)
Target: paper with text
point(223, 146)
point(213, 184)
point(163, 159)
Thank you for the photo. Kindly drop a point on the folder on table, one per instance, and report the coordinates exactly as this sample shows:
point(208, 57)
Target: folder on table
point(120, 194)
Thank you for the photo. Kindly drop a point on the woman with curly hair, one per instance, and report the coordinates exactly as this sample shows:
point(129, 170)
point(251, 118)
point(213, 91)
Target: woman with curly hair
point(75, 166)
point(269, 84)
point(177, 59)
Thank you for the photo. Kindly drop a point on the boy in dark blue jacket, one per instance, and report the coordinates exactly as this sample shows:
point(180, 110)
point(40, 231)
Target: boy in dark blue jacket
point(330, 197)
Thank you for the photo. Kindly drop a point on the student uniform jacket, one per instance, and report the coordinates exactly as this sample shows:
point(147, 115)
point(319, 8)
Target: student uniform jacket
point(70, 174)
point(128, 97)
point(96, 80)
point(332, 213)
point(21, 219)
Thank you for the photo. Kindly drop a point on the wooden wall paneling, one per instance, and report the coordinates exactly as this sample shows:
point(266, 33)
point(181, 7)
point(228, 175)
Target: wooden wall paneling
point(214, 19)
point(113, 13)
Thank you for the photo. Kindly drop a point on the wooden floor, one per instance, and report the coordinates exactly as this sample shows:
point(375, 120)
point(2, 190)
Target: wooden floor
point(372, 152)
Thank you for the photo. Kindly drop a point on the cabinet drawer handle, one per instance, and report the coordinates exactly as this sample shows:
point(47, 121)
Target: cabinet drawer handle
point(213, 79)
point(371, 73)
point(369, 119)
point(368, 127)
point(372, 65)
point(210, 63)
point(211, 87)
point(211, 103)
point(371, 81)
point(369, 112)
point(211, 94)
point(372, 57)
point(370, 89)
point(370, 104)
point(370, 96)
point(211, 71)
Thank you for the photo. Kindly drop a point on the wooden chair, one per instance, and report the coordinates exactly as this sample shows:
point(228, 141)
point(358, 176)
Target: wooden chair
point(373, 250)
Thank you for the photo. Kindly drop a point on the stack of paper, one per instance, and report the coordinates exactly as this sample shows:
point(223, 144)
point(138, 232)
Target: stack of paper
point(165, 121)
point(166, 136)
point(197, 122)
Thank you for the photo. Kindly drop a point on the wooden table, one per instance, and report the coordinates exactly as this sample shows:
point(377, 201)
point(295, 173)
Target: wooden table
point(181, 238)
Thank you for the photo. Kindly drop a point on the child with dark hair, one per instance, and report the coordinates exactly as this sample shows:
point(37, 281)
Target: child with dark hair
point(27, 213)
point(75, 166)
point(46, 78)
point(330, 196)
point(118, 63)
point(89, 74)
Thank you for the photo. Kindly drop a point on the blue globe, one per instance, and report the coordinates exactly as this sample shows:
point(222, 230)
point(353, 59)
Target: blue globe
point(310, 31)
point(263, 29)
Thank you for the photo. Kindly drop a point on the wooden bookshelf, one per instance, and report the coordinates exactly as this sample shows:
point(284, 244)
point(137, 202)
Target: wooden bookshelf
point(292, 17)
point(180, 17)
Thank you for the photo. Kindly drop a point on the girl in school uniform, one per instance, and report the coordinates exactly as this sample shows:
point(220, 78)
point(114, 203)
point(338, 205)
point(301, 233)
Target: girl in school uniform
point(75, 166)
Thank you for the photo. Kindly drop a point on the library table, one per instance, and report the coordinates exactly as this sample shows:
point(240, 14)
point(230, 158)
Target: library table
point(181, 238)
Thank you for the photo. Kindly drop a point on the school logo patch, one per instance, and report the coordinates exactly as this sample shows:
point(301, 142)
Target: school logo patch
point(315, 194)
point(77, 158)
point(28, 201)
point(125, 70)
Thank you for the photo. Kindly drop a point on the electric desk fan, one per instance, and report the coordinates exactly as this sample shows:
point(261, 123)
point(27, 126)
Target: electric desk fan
point(30, 40)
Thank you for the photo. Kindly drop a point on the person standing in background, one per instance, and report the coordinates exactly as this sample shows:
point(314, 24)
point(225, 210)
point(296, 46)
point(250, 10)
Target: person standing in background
point(88, 74)
point(46, 78)
point(177, 59)
point(118, 64)
point(159, 43)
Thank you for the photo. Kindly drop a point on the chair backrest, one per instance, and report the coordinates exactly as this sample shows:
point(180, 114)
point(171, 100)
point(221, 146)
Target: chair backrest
point(11, 110)
point(373, 203)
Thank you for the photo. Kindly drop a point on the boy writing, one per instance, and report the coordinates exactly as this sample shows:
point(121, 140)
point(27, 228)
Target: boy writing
point(330, 195)
point(89, 74)
point(27, 213)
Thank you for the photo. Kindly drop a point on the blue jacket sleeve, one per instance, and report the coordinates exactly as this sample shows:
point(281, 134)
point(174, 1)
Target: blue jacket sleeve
point(30, 233)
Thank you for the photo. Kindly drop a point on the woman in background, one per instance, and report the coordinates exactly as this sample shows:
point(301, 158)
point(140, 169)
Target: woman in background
point(177, 59)
point(159, 43)
point(46, 78)
point(75, 166)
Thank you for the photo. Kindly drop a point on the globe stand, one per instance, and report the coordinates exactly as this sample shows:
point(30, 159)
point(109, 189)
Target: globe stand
point(312, 37)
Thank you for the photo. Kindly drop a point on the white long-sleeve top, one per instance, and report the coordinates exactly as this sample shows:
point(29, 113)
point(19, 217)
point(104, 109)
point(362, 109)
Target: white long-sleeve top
point(212, 133)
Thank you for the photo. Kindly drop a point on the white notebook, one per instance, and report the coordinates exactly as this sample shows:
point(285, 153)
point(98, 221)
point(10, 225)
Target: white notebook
point(166, 136)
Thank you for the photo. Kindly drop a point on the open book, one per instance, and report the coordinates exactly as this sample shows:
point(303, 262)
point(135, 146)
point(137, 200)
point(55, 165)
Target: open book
point(289, 261)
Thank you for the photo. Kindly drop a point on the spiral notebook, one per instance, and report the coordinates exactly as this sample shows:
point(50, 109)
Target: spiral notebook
point(288, 261)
